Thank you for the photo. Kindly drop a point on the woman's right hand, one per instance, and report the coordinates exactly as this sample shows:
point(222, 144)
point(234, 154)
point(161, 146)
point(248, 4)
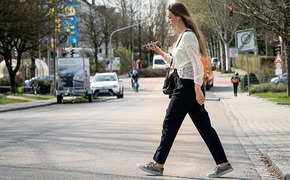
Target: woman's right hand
point(152, 46)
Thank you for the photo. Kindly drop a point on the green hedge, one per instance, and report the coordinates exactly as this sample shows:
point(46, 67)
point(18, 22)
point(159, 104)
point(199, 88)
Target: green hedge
point(241, 62)
point(280, 87)
point(149, 72)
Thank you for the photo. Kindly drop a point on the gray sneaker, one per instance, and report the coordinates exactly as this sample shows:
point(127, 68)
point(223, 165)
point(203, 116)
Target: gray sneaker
point(219, 171)
point(150, 168)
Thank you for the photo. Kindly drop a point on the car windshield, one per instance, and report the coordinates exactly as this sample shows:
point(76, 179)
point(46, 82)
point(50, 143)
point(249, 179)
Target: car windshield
point(159, 61)
point(100, 77)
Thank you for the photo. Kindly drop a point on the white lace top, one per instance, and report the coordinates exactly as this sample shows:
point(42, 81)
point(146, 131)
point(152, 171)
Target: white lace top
point(186, 58)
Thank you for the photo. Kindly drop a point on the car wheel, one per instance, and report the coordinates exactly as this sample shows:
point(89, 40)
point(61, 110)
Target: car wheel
point(90, 96)
point(59, 99)
point(120, 96)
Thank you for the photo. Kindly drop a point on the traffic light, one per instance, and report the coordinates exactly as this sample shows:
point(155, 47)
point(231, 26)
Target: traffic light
point(114, 51)
point(277, 49)
point(231, 11)
point(72, 51)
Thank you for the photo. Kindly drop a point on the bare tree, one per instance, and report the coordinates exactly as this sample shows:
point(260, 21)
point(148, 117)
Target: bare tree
point(274, 16)
point(225, 26)
point(91, 30)
point(23, 24)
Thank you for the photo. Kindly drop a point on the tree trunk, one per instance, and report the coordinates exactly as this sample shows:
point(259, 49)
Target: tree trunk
point(13, 85)
point(287, 61)
point(96, 58)
point(32, 67)
point(227, 56)
point(222, 55)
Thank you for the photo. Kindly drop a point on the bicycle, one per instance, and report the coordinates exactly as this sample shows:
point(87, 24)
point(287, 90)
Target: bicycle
point(135, 85)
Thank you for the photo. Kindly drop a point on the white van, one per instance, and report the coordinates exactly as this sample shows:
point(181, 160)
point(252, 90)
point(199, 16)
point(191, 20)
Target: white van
point(158, 62)
point(214, 62)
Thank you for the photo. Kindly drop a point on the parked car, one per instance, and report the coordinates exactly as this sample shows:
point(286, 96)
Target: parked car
point(158, 62)
point(279, 79)
point(107, 84)
point(27, 82)
point(32, 84)
point(214, 62)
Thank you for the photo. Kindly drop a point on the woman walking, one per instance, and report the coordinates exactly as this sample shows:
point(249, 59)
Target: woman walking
point(188, 96)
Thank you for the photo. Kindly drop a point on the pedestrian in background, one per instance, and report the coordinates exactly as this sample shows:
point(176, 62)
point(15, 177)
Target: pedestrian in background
point(187, 96)
point(235, 80)
point(138, 64)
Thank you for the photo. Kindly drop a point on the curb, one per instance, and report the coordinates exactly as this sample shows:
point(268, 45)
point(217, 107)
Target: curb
point(253, 138)
point(27, 107)
point(38, 105)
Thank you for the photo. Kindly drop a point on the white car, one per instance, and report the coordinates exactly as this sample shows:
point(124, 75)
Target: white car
point(158, 62)
point(107, 84)
point(214, 62)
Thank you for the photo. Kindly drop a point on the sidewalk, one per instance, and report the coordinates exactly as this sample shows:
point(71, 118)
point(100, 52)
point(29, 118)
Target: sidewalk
point(26, 105)
point(261, 126)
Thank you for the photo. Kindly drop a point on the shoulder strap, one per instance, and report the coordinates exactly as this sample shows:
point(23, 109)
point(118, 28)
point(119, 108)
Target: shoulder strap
point(179, 41)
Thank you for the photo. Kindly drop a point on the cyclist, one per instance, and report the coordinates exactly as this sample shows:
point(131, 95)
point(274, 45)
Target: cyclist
point(134, 80)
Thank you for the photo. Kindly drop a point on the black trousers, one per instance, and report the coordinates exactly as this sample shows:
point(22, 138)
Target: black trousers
point(183, 101)
point(235, 87)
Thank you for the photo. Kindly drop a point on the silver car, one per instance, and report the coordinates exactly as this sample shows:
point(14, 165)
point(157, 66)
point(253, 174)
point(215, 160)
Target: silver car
point(107, 84)
point(279, 79)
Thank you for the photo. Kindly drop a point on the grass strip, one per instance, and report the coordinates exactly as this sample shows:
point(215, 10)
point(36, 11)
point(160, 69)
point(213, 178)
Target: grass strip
point(5, 100)
point(280, 98)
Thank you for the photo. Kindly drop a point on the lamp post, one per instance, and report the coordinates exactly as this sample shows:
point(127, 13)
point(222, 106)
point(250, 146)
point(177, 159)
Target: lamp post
point(110, 45)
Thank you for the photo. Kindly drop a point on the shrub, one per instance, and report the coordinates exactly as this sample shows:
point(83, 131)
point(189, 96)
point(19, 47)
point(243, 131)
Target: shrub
point(252, 90)
point(280, 87)
point(149, 72)
point(43, 85)
point(4, 81)
point(244, 81)
point(261, 88)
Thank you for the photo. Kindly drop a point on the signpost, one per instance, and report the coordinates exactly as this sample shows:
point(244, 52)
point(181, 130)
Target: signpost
point(246, 42)
point(278, 64)
point(234, 54)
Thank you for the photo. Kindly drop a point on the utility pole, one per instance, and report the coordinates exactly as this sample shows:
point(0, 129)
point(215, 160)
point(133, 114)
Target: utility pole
point(110, 45)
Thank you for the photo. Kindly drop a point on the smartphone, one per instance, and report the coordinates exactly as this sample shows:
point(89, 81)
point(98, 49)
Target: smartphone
point(157, 42)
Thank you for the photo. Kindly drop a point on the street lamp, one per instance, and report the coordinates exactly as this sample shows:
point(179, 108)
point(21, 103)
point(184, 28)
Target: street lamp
point(110, 45)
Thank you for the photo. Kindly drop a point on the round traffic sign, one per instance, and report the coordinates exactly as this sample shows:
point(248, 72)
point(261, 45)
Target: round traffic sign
point(246, 38)
point(234, 51)
point(62, 38)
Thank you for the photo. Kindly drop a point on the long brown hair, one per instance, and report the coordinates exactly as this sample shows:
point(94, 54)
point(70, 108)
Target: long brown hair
point(178, 9)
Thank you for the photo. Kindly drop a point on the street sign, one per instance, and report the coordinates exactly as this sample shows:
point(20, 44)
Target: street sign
point(234, 53)
point(278, 58)
point(63, 39)
point(246, 40)
point(278, 64)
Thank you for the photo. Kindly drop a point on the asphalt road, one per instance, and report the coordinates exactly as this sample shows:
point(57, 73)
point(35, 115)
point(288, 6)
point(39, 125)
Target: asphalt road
point(106, 140)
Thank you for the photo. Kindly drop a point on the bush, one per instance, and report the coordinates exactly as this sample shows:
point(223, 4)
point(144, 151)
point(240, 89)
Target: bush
point(4, 81)
point(149, 72)
point(280, 87)
point(252, 91)
point(244, 81)
point(261, 88)
point(42, 86)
